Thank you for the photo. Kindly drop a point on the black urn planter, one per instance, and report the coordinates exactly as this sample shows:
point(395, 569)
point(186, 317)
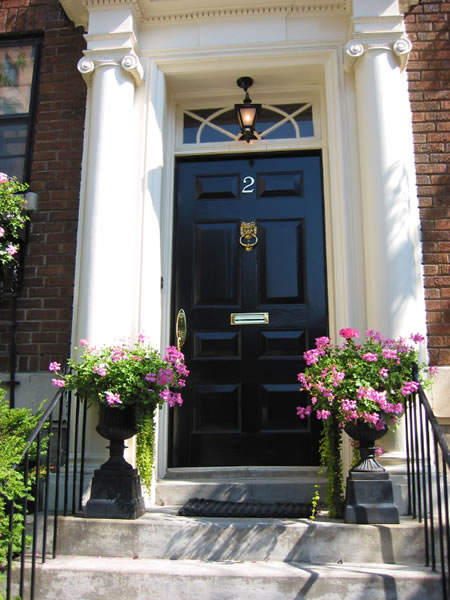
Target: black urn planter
point(369, 494)
point(116, 487)
point(366, 435)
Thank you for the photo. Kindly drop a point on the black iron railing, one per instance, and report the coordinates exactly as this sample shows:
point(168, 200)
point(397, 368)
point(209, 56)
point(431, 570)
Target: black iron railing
point(428, 465)
point(54, 461)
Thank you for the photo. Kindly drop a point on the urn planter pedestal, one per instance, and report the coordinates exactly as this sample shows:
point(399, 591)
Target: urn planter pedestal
point(369, 494)
point(116, 486)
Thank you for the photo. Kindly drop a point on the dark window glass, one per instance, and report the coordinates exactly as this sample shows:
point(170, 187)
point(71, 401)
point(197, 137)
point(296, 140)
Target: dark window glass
point(18, 64)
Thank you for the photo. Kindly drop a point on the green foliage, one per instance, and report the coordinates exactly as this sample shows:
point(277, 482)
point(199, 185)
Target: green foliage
point(12, 216)
point(145, 446)
point(15, 426)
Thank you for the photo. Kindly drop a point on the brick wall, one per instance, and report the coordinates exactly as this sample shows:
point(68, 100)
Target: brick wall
point(428, 27)
point(45, 303)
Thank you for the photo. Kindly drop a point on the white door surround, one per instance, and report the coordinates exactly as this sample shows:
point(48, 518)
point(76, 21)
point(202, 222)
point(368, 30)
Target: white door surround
point(371, 216)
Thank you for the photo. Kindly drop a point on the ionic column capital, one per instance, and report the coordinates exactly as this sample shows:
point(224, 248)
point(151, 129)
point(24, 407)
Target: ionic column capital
point(401, 47)
point(130, 63)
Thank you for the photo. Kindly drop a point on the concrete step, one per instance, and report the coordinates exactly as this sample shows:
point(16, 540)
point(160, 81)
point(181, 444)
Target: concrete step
point(162, 534)
point(98, 578)
point(236, 484)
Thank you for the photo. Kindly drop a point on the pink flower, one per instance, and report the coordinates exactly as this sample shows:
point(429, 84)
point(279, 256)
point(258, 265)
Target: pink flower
point(11, 249)
point(84, 342)
point(409, 387)
point(3, 177)
point(417, 337)
point(304, 412)
point(348, 333)
point(171, 398)
point(54, 366)
point(390, 353)
point(58, 383)
point(112, 399)
point(311, 356)
point(370, 357)
point(379, 451)
point(165, 376)
point(2, 232)
point(323, 341)
point(323, 414)
point(384, 372)
point(100, 370)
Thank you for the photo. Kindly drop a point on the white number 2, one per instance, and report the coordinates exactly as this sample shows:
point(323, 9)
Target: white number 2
point(249, 185)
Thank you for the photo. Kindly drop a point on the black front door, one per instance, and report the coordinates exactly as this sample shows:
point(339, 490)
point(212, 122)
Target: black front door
point(253, 305)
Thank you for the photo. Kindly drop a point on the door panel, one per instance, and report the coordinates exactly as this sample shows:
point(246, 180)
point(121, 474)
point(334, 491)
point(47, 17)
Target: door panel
point(240, 403)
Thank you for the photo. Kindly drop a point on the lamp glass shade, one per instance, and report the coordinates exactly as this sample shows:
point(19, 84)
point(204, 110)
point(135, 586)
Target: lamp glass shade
point(247, 115)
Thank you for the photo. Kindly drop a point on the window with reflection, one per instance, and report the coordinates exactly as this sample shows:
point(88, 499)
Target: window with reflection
point(18, 72)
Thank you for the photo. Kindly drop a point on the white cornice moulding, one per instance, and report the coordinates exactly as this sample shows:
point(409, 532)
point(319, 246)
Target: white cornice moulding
point(160, 11)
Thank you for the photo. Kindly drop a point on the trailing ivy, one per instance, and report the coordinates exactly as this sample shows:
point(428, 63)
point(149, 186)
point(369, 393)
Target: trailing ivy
point(331, 464)
point(145, 441)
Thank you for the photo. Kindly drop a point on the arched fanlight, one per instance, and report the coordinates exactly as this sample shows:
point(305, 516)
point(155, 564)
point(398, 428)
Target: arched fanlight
point(247, 113)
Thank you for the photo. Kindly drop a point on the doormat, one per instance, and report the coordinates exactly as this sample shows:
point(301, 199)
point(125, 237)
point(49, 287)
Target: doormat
point(202, 507)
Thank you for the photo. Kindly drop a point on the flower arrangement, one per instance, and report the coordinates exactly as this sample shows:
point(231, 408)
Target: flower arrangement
point(127, 374)
point(124, 374)
point(12, 217)
point(351, 382)
point(367, 381)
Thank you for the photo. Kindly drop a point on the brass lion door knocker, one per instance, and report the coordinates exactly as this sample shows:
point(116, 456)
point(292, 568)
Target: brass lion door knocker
point(248, 238)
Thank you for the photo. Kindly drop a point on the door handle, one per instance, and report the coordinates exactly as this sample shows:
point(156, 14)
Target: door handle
point(181, 329)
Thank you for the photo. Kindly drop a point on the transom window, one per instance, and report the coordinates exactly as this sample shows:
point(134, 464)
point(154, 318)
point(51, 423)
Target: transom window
point(17, 81)
point(280, 122)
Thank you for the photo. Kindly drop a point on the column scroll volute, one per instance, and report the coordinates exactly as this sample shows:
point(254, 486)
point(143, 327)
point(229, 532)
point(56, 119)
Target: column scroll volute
point(355, 48)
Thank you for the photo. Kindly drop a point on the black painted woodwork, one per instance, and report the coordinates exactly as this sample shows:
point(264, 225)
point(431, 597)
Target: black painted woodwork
point(240, 403)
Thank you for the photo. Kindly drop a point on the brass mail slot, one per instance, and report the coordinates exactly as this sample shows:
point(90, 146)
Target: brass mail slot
point(255, 318)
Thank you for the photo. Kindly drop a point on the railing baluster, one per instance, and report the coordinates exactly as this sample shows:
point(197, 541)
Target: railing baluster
point(10, 552)
point(58, 472)
point(46, 489)
point(24, 532)
point(408, 458)
point(68, 436)
point(412, 485)
point(417, 457)
point(430, 495)
point(424, 487)
point(35, 516)
point(75, 453)
point(83, 453)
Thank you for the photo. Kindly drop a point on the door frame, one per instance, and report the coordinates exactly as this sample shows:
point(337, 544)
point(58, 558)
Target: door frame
point(342, 214)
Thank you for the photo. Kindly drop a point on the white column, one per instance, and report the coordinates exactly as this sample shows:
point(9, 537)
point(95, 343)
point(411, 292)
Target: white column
point(394, 288)
point(107, 261)
point(108, 249)
point(393, 275)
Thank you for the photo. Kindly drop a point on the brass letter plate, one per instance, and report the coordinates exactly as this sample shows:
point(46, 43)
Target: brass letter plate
point(255, 318)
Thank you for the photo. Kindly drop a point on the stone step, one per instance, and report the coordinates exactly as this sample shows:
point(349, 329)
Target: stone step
point(162, 534)
point(236, 484)
point(89, 578)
